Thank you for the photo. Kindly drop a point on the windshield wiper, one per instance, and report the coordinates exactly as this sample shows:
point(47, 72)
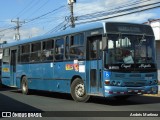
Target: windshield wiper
point(142, 40)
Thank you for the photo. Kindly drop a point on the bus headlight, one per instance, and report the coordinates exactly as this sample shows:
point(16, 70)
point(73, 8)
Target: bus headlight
point(119, 83)
point(155, 81)
point(113, 83)
point(107, 82)
point(150, 82)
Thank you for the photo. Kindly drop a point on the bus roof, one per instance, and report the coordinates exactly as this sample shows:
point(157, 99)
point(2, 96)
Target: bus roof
point(78, 28)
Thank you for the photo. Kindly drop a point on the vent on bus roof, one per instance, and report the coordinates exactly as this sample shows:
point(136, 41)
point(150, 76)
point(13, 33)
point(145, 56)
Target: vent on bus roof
point(135, 84)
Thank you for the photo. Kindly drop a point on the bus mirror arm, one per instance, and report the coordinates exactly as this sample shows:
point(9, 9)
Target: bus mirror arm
point(104, 43)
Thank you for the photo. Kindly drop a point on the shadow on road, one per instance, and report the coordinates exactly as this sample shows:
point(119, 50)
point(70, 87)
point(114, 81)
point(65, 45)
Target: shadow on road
point(9, 104)
point(134, 100)
point(47, 94)
point(6, 88)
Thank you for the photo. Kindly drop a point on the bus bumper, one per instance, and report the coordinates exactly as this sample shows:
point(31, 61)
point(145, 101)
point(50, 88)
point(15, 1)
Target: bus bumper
point(111, 91)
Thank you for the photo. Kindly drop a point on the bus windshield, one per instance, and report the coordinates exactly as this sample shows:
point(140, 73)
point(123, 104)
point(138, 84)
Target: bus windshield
point(130, 49)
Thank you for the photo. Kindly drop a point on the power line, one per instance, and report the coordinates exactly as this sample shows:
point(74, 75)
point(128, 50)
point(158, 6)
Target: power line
point(45, 14)
point(62, 25)
point(25, 8)
point(119, 15)
point(102, 13)
point(115, 12)
point(40, 7)
point(7, 29)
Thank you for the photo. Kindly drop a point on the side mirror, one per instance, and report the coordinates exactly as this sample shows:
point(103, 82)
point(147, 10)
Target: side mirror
point(4, 42)
point(104, 43)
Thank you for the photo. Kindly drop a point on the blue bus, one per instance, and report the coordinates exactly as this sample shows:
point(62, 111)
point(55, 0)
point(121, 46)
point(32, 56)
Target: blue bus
point(109, 59)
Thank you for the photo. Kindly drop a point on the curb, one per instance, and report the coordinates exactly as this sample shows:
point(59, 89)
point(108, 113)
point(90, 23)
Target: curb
point(153, 95)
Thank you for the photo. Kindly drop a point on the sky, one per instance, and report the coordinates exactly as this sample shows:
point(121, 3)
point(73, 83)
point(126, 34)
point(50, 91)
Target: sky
point(27, 10)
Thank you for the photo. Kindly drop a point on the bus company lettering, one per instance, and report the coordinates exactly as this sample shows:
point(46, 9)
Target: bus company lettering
point(126, 66)
point(144, 66)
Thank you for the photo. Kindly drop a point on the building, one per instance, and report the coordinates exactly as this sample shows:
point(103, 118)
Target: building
point(155, 24)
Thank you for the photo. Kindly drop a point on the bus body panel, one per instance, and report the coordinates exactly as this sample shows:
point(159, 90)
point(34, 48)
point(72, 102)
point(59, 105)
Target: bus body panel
point(6, 75)
point(58, 75)
point(54, 76)
point(139, 83)
point(111, 91)
point(94, 76)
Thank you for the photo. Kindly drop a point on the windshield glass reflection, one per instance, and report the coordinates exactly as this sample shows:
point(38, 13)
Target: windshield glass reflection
point(130, 49)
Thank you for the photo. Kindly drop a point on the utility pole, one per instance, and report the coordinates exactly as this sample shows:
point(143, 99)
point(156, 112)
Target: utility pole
point(1, 41)
point(1, 37)
point(72, 18)
point(18, 23)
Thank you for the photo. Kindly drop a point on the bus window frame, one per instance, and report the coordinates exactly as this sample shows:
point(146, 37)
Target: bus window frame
point(55, 39)
point(20, 54)
point(47, 50)
point(37, 51)
point(77, 46)
point(9, 54)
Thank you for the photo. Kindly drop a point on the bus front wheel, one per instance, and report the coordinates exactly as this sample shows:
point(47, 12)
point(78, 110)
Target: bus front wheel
point(24, 85)
point(78, 91)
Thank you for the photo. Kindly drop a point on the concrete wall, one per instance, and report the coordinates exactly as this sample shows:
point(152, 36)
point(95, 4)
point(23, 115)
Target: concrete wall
point(156, 28)
point(155, 24)
point(158, 57)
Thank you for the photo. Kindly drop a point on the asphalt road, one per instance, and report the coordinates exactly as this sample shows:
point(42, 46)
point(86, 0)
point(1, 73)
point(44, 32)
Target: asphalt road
point(40, 101)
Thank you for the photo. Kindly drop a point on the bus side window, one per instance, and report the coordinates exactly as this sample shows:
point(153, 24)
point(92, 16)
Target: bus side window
point(47, 51)
point(24, 53)
point(6, 56)
point(35, 52)
point(59, 49)
point(67, 48)
point(95, 47)
point(77, 46)
point(93, 50)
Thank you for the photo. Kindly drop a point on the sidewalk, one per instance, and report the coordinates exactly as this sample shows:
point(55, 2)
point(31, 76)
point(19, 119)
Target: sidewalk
point(156, 95)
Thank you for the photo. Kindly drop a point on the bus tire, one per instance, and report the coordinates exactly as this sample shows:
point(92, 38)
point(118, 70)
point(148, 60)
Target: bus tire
point(78, 91)
point(24, 85)
point(1, 85)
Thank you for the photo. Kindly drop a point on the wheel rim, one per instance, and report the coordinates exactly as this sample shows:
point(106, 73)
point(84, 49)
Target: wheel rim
point(79, 90)
point(24, 87)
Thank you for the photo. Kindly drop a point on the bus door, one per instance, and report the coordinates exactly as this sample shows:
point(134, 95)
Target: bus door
point(94, 64)
point(13, 66)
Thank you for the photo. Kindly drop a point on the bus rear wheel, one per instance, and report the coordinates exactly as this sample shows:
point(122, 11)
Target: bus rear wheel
point(78, 91)
point(24, 85)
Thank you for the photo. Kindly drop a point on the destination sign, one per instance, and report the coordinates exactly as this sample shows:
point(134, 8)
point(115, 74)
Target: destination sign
point(129, 28)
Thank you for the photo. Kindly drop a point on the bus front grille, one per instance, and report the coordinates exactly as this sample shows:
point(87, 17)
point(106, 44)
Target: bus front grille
point(135, 75)
point(134, 84)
